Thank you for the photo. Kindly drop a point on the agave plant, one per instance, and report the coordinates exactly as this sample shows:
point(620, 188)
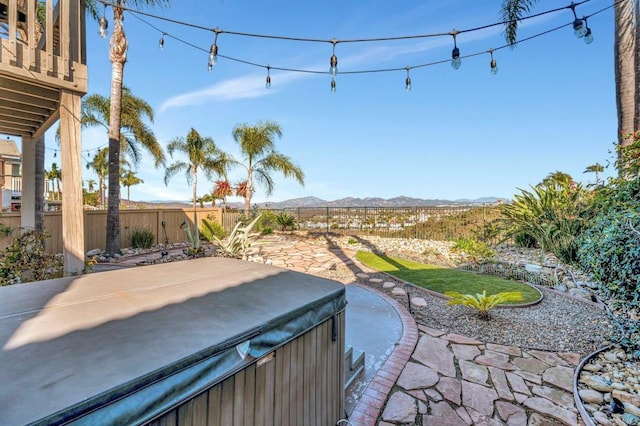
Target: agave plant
point(285, 221)
point(238, 241)
point(482, 302)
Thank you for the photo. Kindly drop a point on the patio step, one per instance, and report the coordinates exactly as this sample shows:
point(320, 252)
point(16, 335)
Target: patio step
point(353, 365)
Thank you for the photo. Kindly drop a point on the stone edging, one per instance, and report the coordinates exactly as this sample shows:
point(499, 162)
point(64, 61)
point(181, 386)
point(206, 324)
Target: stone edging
point(371, 403)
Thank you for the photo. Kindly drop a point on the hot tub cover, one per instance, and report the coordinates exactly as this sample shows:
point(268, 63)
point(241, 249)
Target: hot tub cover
point(122, 347)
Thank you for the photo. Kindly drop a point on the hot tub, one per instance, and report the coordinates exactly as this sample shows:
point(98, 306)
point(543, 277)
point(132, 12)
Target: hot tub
point(205, 341)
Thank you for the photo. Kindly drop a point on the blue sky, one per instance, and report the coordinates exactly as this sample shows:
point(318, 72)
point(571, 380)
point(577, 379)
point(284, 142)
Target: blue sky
point(458, 134)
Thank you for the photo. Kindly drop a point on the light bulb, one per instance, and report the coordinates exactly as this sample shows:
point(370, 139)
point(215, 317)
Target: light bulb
point(455, 58)
point(103, 24)
point(588, 36)
point(333, 62)
point(494, 67)
point(333, 86)
point(407, 84)
point(579, 29)
point(161, 42)
point(268, 83)
point(213, 56)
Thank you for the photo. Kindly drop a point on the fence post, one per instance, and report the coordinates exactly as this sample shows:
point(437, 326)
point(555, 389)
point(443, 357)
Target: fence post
point(327, 212)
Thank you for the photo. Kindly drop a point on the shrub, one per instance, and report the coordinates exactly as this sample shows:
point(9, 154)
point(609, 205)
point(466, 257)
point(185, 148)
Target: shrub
point(525, 240)
point(476, 250)
point(285, 221)
point(267, 220)
point(266, 231)
point(211, 228)
point(482, 302)
point(142, 238)
point(26, 260)
point(610, 251)
point(352, 241)
point(552, 215)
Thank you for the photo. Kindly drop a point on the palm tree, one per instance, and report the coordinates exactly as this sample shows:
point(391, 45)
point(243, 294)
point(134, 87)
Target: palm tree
point(133, 132)
point(91, 184)
point(595, 168)
point(55, 175)
point(557, 178)
point(627, 58)
point(257, 146)
point(100, 164)
point(202, 154)
point(221, 190)
point(118, 56)
point(128, 180)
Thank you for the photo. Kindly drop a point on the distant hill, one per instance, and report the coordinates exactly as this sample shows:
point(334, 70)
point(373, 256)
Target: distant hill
point(400, 201)
point(310, 201)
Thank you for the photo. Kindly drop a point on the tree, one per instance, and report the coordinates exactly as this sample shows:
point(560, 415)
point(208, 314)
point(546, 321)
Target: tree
point(202, 154)
point(118, 56)
point(221, 190)
point(257, 147)
point(91, 184)
point(595, 168)
point(133, 132)
point(557, 178)
point(627, 58)
point(54, 175)
point(100, 164)
point(129, 179)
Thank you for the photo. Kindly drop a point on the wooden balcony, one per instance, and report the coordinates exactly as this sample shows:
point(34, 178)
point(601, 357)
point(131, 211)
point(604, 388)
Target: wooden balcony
point(39, 59)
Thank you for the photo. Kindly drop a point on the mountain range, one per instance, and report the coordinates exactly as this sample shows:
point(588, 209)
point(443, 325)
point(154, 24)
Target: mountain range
point(400, 201)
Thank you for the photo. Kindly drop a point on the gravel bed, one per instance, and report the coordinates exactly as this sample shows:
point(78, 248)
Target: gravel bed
point(558, 323)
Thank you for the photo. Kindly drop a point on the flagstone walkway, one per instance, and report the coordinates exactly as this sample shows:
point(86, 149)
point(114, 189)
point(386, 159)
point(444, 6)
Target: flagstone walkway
point(434, 377)
point(438, 378)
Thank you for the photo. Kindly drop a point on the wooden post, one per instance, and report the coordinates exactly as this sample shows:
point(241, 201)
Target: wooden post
point(28, 191)
point(72, 210)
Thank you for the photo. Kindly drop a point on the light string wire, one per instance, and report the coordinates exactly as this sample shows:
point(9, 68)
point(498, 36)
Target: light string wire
point(135, 13)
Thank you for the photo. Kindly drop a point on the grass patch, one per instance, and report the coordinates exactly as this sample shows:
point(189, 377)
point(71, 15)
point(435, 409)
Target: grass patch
point(440, 279)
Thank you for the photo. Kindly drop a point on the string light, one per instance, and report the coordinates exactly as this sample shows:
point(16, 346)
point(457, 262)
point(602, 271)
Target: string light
point(161, 42)
point(55, 154)
point(579, 29)
point(588, 35)
point(455, 57)
point(103, 24)
point(493, 64)
point(268, 80)
point(407, 81)
point(333, 85)
point(455, 53)
point(333, 61)
point(213, 51)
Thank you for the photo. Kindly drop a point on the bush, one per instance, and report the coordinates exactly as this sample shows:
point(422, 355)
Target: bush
point(553, 216)
point(266, 231)
point(610, 251)
point(285, 221)
point(211, 228)
point(26, 260)
point(476, 250)
point(525, 240)
point(142, 238)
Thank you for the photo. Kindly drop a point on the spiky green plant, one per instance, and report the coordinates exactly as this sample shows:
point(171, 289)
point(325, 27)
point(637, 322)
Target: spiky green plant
point(482, 302)
point(285, 221)
point(238, 242)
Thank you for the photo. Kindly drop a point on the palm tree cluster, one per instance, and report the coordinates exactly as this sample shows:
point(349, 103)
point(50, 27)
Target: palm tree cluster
point(261, 160)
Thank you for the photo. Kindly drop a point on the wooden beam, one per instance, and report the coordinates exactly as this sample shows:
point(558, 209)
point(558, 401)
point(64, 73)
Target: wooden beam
point(24, 109)
point(35, 90)
point(18, 119)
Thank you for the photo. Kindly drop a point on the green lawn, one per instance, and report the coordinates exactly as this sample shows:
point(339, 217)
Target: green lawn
point(440, 279)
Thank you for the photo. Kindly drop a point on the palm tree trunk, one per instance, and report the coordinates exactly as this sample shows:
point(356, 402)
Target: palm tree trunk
point(129, 196)
point(626, 70)
point(118, 57)
point(248, 194)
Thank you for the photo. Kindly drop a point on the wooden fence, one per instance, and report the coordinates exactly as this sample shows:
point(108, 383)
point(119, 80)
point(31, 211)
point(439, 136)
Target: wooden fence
point(166, 224)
